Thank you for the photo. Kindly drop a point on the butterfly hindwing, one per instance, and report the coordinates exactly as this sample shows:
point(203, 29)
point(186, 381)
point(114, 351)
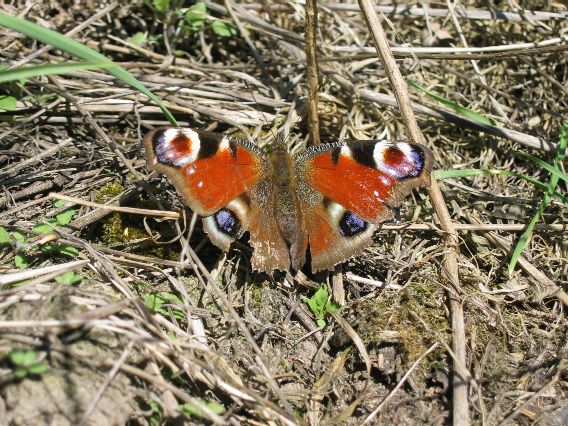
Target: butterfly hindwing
point(208, 169)
point(251, 212)
point(229, 223)
point(335, 234)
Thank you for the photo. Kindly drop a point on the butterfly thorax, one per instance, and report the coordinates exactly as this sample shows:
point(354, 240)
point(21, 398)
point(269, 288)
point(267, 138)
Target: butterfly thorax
point(287, 210)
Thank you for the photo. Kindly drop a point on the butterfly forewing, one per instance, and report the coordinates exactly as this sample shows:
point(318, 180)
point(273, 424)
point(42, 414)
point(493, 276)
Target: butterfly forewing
point(208, 169)
point(366, 177)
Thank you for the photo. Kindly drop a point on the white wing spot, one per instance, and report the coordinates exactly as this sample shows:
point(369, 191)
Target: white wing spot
point(224, 145)
point(239, 208)
point(346, 151)
point(335, 211)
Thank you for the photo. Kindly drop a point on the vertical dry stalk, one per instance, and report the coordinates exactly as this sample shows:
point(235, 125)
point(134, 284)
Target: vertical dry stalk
point(312, 70)
point(313, 119)
point(460, 391)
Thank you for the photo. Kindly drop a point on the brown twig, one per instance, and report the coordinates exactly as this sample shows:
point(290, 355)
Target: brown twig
point(312, 70)
point(400, 9)
point(460, 395)
point(115, 208)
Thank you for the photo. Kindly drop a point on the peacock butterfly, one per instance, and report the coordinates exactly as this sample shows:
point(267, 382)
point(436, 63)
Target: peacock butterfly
point(331, 197)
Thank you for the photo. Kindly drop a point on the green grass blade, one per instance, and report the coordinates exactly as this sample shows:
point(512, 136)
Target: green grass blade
point(554, 171)
point(16, 74)
point(554, 178)
point(466, 112)
point(448, 174)
point(75, 48)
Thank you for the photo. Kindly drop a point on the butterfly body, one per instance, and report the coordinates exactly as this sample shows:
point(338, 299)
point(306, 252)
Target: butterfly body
point(329, 197)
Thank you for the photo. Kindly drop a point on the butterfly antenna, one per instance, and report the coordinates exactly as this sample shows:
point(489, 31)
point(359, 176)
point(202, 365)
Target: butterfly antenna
point(259, 109)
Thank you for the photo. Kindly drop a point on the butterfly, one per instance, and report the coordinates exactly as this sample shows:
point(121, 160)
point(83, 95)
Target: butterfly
point(330, 197)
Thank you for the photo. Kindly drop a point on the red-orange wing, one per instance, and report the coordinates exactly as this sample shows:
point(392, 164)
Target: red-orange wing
point(367, 178)
point(207, 169)
point(335, 234)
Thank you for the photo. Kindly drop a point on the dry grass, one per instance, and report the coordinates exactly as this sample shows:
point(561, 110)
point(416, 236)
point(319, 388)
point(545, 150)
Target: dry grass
point(219, 336)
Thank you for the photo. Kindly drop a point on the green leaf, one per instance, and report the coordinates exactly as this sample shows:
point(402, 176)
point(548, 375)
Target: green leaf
point(153, 302)
point(39, 368)
point(17, 74)
point(332, 307)
point(555, 171)
point(8, 103)
point(19, 236)
point(29, 358)
point(318, 301)
point(47, 248)
point(65, 217)
point(315, 308)
point(321, 323)
point(46, 227)
point(161, 5)
point(59, 203)
point(21, 261)
point(466, 112)
point(196, 16)
point(75, 48)
point(26, 363)
point(69, 278)
point(171, 297)
point(46, 98)
point(189, 409)
point(155, 406)
point(199, 7)
point(21, 372)
point(138, 39)
point(17, 357)
point(4, 236)
point(223, 29)
point(156, 302)
point(67, 250)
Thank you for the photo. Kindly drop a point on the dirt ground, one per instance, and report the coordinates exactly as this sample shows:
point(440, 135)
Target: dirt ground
point(108, 316)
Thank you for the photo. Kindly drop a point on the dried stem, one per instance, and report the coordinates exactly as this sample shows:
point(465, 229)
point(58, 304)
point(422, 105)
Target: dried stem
point(460, 395)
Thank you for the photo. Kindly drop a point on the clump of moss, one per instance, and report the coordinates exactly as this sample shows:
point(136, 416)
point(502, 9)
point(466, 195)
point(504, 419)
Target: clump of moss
point(114, 230)
point(108, 192)
point(417, 314)
point(255, 292)
point(118, 228)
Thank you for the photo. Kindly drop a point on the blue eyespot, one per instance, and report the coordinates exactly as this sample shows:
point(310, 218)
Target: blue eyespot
point(351, 225)
point(227, 222)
